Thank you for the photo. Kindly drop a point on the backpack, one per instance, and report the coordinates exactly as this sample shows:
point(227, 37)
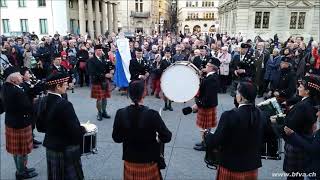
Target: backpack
point(40, 113)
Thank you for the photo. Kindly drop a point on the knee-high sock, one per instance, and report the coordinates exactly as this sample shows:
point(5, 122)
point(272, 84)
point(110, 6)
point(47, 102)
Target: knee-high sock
point(20, 162)
point(165, 102)
point(104, 105)
point(99, 106)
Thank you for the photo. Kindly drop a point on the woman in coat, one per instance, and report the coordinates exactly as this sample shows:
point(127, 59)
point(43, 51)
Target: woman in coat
point(272, 74)
point(225, 59)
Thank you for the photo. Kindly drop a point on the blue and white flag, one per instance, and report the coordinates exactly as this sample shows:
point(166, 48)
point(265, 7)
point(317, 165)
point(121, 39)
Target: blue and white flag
point(123, 57)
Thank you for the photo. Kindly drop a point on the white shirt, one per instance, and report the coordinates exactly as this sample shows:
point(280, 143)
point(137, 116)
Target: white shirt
point(243, 105)
point(55, 94)
point(212, 72)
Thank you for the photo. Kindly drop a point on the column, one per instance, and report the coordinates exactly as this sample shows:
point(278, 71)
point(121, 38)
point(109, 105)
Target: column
point(104, 16)
point(98, 19)
point(115, 18)
point(110, 29)
point(82, 18)
point(90, 18)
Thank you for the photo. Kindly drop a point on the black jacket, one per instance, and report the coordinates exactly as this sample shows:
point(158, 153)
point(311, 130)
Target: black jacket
point(63, 127)
point(138, 135)
point(238, 139)
point(208, 92)
point(287, 84)
point(83, 55)
point(137, 68)
point(98, 69)
point(200, 63)
point(18, 106)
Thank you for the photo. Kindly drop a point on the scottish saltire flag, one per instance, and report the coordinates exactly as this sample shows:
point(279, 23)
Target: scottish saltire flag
point(123, 57)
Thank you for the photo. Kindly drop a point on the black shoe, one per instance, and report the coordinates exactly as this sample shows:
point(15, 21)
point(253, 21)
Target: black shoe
point(26, 175)
point(157, 96)
point(36, 142)
point(99, 117)
point(29, 170)
point(152, 93)
point(35, 146)
point(170, 108)
point(165, 108)
point(105, 115)
point(199, 144)
point(199, 148)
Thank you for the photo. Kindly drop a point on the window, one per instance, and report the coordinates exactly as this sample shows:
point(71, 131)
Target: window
point(24, 25)
point(202, 3)
point(262, 20)
point(297, 18)
point(265, 21)
point(3, 3)
point(43, 26)
point(302, 17)
point(5, 25)
point(139, 5)
point(70, 3)
point(197, 4)
point(41, 3)
point(86, 5)
point(212, 4)
point(72, 25)
point(22, 3)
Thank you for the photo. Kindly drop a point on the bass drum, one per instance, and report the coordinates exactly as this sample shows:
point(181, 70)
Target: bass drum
point(180, 82)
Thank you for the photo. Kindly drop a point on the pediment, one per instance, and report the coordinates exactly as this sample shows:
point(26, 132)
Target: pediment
point(264, 4)
point(300, 4)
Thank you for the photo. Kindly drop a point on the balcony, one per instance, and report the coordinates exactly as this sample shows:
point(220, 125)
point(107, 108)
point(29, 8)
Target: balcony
point(201, 19)
point(140, 14)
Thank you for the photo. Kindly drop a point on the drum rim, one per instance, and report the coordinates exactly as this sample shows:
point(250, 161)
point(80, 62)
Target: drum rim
point(188, 64)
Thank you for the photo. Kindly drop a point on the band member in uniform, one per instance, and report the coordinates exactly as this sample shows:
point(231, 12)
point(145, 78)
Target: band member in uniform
point(286, 87)
point(201, 61)
point(301, 119)
point(238, 137)
point(140, 129)
point(101, 71)
point(18, 122)
point(63, 132)
point(164, 64)
point(139, 68)
point(207, 100)
point(32, 89)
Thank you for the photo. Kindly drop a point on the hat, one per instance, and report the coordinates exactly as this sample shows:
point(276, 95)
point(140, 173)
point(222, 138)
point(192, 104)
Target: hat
point(9, 70)
point(214, 61)
point(138, 49)
point(203, 47)
point(245, 45)
point(312, 83)
point(287, 60)
point(97, 46)
point(63, 53)
point(57, 78)
point(167, 49)
point(248, 91)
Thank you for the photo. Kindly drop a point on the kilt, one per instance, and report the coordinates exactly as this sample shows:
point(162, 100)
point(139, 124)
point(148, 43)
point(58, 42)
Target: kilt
point(225, 174)
point(207, 118)
point(98, 93)
point(141, 171)
point(294, 159)
point(64, 165)
point(19, 141)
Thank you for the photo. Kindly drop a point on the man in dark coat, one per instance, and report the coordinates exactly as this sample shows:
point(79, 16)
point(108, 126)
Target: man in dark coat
point(207, 100)
point(139, 68)
point(18, 122)
point(100, 71)
point(63, 132)
point(201, 61)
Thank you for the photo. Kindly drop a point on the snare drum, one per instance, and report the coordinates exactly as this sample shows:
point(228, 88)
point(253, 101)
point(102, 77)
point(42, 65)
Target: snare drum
point(180, 82)
point(89, 141)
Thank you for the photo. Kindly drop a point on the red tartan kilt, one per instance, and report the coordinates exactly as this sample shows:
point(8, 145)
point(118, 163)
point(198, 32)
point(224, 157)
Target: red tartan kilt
point(226, 174)
point(98, 93)
point(141, 171)
point(207, 118)
point(19, 141)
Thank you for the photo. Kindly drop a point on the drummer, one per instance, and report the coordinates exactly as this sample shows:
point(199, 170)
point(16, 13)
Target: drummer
point(164, 64)
point(207, 100)
point(63, 132)
point(301, 119)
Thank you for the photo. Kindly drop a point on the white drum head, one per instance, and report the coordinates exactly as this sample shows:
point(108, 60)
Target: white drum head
point(180, 83)
point(89, 127)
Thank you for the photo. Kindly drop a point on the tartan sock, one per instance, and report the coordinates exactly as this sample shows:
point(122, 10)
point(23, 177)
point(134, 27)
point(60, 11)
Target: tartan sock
point(104, 105)
point(99, 106)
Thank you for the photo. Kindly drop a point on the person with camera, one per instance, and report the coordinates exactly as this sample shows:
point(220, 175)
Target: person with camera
point(18, 122)
point(141, 131)
point(239, 136)
point(101, 71)
point(207, 100)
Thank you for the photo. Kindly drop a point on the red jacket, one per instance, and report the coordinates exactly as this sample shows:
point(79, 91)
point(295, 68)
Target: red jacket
point(66, 64)
point(316, 57)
